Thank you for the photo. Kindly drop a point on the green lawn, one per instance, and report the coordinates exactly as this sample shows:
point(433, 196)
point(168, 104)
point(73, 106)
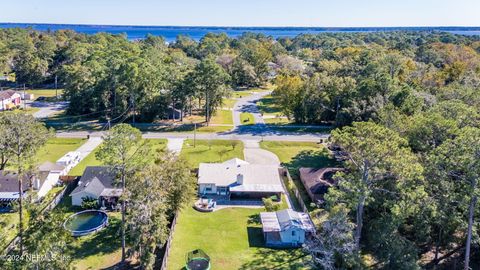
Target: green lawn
point(277, 120)
point(223, 117)
point(232, 238)
point(8, 228)
point(268, 106)
point(9, 221)
point(58, 147)
point(211, 151)
point(247, 118)
point(229, 102)
point(44, 92)
point(99, 250)
point(294, 155)
point(90, 160)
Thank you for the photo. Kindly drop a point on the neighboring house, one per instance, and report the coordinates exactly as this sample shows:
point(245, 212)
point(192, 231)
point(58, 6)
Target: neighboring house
point(9, 187)
point(318, 181)
point(9, 100)
point(48, 176)
point(97, 183)
point(273, 69)
point(236, 178)
point(70, 160)
point(286, 228)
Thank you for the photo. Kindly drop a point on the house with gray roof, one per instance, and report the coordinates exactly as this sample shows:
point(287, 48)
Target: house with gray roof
point(286, 228)
point(9, 186)
point(236, 178)
point(97, 182)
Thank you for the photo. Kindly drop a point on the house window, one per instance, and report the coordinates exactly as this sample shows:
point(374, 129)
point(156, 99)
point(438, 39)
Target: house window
point(293, 233)
point(208, 189)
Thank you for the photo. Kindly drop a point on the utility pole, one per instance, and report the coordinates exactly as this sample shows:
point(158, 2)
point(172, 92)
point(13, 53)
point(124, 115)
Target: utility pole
point(194, 135)
point(133, 105)
point(56, 90)
point(24, 98)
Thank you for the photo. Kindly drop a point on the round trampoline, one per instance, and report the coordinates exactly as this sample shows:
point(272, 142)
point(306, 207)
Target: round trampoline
point(197, 260)
point(86, 222)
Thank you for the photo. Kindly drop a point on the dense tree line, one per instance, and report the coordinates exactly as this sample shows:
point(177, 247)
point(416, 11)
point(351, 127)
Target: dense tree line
point(327, 78)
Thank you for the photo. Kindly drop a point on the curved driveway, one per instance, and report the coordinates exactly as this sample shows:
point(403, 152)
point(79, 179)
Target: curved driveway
point(248, 104)
point(255, 155)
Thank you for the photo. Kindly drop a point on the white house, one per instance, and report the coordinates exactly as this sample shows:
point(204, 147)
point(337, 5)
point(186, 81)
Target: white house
point(48, 176)
point(70, 160)
point(237, 178)
point(97, 182)
point(286, 228)
point(9, 100)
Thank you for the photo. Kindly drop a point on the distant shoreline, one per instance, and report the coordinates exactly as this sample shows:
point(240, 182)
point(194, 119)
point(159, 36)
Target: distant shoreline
point(318, 28)
point(170, 33)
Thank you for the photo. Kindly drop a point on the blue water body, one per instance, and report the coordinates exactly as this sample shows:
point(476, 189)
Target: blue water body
point(197, 32)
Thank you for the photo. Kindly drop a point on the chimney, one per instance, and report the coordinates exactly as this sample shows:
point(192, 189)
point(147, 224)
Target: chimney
point(240, 179)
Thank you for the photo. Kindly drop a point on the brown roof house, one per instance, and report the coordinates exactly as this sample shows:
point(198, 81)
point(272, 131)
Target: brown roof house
point(317, 181)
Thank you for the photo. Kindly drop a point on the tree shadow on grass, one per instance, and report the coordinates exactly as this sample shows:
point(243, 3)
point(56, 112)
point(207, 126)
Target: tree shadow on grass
point(268, 105)
point(255, 237)
point(276, 259)
point(103, 242)
point(310, 158)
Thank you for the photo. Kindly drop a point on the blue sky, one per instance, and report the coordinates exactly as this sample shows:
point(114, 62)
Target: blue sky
point(246, 12)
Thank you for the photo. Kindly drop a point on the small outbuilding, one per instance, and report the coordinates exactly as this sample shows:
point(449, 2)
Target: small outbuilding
point(286, 228)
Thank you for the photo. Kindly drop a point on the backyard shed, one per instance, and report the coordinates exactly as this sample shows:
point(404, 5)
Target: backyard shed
point(286, 228)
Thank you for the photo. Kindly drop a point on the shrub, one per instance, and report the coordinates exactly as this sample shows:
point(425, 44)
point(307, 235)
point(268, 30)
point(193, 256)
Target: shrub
point(270, 205)
point(89, 203)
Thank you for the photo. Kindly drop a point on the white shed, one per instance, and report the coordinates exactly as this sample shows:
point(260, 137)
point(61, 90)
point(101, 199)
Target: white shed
point(286, 228)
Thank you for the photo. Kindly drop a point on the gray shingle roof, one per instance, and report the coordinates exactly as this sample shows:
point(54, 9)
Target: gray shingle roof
point(9, 182)
point(105, 176)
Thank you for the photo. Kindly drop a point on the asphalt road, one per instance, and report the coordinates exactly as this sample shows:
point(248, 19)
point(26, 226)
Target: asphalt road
point(47, 108)
point(231, 135)
point(257, 132)
point(248, 104)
